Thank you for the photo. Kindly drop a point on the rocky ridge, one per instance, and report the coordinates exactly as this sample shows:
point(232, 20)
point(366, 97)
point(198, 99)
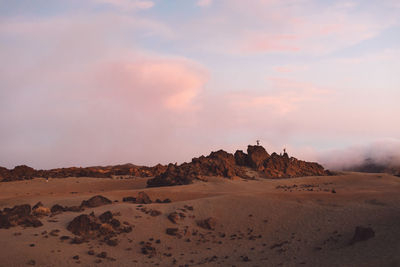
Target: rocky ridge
point(224, 164)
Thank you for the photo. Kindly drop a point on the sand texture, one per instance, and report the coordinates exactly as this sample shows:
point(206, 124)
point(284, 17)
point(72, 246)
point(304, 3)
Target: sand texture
point(308, 221)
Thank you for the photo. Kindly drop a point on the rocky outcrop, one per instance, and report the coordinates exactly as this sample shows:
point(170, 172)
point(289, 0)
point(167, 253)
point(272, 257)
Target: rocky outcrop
point(95, 201)
point(218, 163)
point(256, 157)
point(18, 215)
point(104, 226)
point(362, 234)
point(24, 172)
point(277, 166)
point(224, 164)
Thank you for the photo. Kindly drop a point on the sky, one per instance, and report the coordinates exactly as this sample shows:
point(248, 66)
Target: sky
point(99, 82)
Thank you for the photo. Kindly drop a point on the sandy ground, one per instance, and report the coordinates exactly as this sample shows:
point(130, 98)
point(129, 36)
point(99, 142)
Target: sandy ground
point(258, 224)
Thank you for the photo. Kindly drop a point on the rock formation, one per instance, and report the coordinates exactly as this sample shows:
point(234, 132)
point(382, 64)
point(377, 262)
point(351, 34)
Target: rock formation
point(24, 172)
point(224, 164)
point(218, 163)
point(18, 215)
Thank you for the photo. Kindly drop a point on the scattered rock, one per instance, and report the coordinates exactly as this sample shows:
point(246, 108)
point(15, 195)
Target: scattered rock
point(174, 217)
point(155, 213)
point(143, 198)
point(83, 225)
point(96, 201)
point(172, 231)
point(362, 234)
point(102, 255)
point(18, 215)
point(208, 223)
point(106, 217)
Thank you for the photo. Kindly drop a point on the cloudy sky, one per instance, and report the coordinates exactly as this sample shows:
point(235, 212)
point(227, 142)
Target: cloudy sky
point(88, 82)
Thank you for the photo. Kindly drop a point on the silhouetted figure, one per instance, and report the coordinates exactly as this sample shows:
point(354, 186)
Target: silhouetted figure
point(258, 142)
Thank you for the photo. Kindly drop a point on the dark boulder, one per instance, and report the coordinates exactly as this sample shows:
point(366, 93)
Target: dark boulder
point(96, 201)
point(143, 198)
point(106, 217)
point(208, 223)
point(362, 234)
point(84, 225)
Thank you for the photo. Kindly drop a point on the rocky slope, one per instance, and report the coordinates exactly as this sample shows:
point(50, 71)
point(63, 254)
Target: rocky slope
point(224, 164)
point(25, 173)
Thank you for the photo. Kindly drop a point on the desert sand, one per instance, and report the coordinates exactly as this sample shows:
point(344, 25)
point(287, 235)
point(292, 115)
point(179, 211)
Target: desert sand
point(261, 222)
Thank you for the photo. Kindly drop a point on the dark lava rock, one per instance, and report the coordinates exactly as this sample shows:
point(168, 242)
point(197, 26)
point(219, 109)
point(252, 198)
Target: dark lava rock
point(143, 198)
point(83, 225)
point(112, 242)
point(147, 249)
point(172, 231)
point(115, 223)
point(218, 163)
point(76, 257)
point(57, 209)
point(174, 217)
point(96, 201)
point(102, 255)
point(37, 205)
point(64, 237)
point(18, 215)
point(155, 213)
point(91, 252)
point(106, 217)
point(362, 234)
point(129, 199)
point(208, 223)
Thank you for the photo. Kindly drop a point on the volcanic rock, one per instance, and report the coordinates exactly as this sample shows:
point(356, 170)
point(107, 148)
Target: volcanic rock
point(143, 198)
point(256, 157)
point(83, 225)
point(106, 217)
point(362, 234)
point(277, 166)
point(96, 201)
point(174, 217)
point(218, 163)
point(57, 209)
point(18, 215)
point(241, 158)
point(208, 223)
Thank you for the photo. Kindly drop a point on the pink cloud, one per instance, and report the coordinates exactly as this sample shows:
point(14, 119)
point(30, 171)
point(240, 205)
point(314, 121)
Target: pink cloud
point(204, 3)
point(128, 4)
point(285, 96)
point(258, 42)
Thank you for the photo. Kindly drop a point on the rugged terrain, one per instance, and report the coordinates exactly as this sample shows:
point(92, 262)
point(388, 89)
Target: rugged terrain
point(347, 220)
point(221, 163)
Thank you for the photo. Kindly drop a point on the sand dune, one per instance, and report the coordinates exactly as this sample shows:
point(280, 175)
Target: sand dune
point(262, 222)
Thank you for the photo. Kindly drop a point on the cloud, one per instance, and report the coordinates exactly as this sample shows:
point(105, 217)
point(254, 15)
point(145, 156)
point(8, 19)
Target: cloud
point(285, 96)
point(127, 4)
point(204, 3)
point(92, 100)
point(385, 152)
